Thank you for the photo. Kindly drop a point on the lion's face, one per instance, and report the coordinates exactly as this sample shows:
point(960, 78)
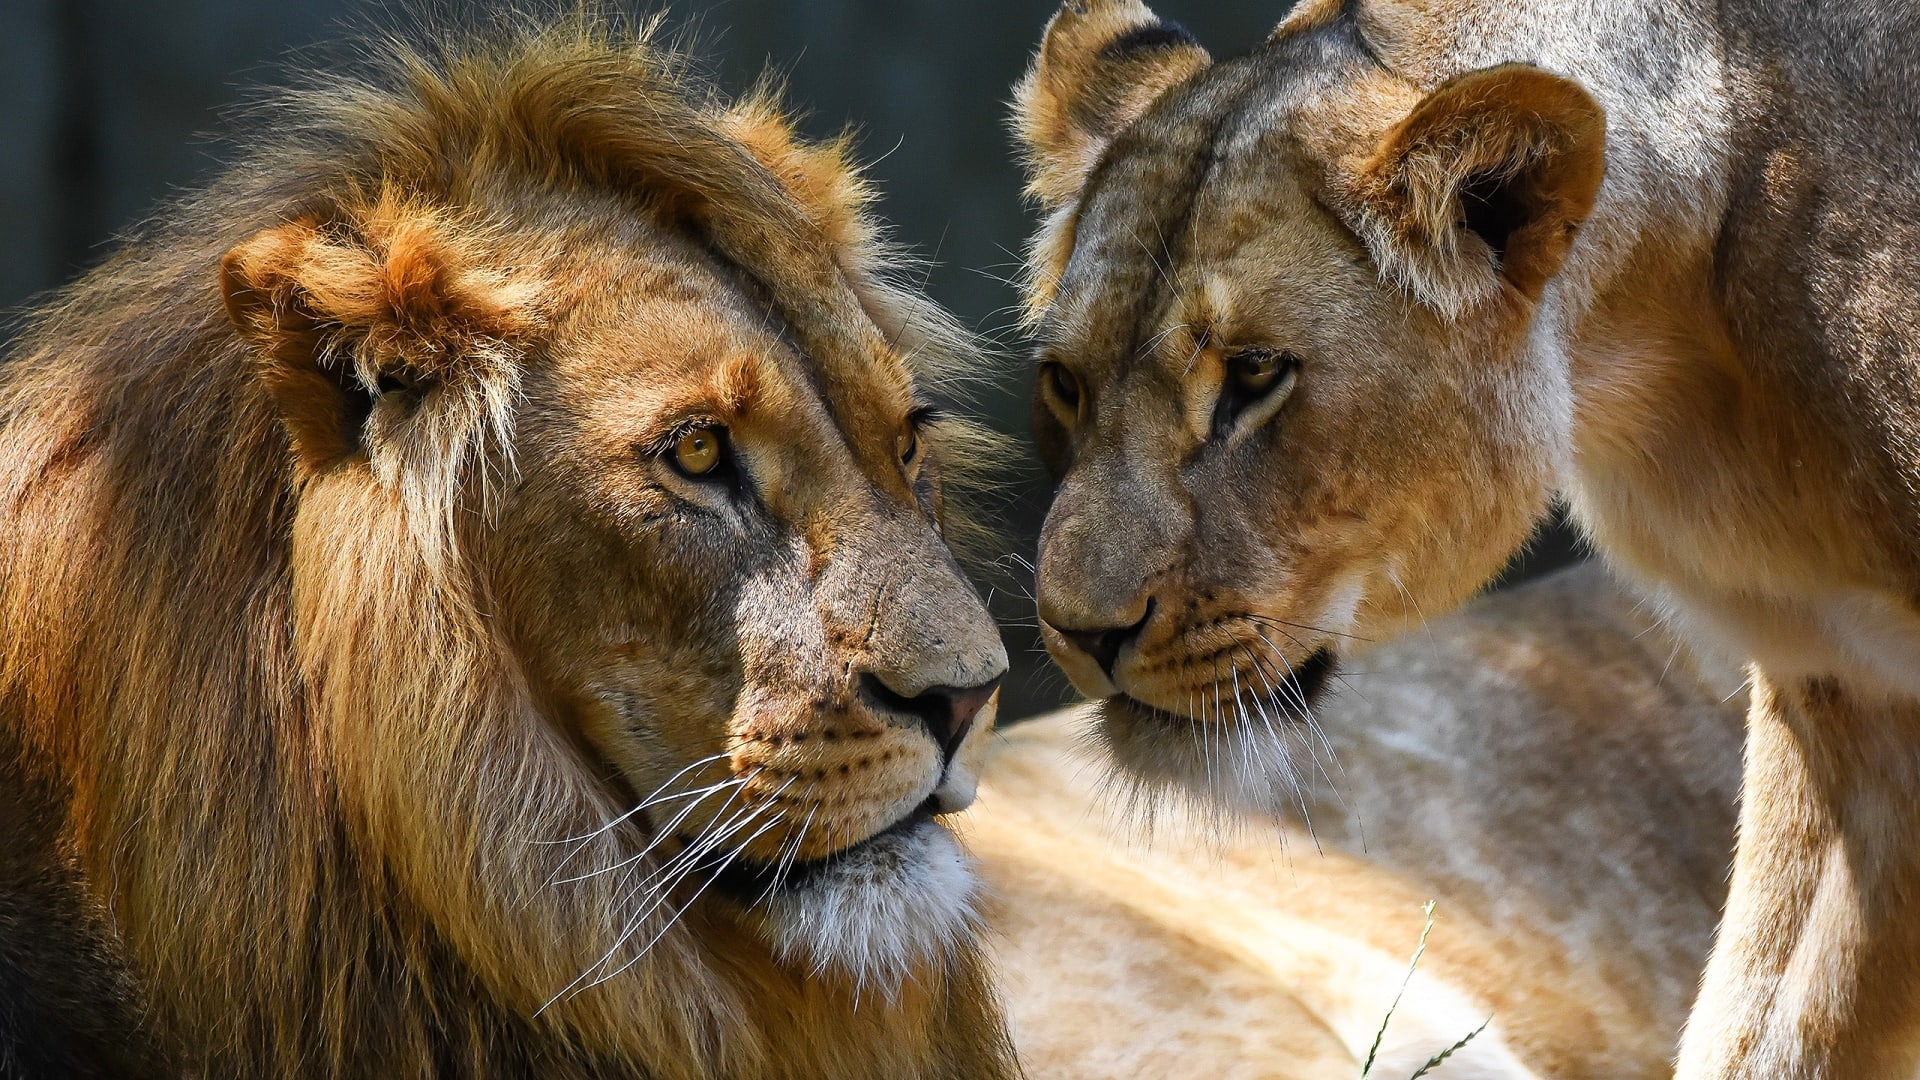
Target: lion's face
point(486, 549)
point(737, 597)
point(1273, 439)
point(713, 558)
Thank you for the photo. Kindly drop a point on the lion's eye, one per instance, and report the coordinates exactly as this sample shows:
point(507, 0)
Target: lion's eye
point(1257, 382)
point(907, 446)
point(699, 451)
point(1062, 392)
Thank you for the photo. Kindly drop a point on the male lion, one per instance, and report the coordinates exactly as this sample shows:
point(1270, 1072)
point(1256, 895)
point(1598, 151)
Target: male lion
point(473, 604)
point(1323, 327)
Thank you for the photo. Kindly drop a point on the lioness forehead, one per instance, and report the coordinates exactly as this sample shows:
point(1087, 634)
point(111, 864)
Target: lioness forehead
point(1175, 240)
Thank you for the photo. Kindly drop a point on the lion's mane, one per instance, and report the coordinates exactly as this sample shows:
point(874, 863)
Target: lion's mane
point(305, 795)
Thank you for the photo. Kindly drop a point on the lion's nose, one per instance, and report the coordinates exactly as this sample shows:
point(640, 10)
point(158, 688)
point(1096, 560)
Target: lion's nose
point(947, 711)
point(1103, 644)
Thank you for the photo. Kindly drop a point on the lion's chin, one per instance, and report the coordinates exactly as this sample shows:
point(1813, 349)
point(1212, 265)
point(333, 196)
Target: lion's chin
point(878, 912)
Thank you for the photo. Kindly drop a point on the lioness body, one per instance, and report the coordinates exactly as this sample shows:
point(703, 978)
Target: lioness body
point(1275, 949)
point(441, 612)
point(1375, 264)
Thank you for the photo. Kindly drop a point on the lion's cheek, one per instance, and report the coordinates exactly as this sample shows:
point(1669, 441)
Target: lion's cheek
point(831, 780)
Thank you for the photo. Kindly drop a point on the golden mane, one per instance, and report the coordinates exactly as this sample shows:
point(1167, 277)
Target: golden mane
point(309, 794)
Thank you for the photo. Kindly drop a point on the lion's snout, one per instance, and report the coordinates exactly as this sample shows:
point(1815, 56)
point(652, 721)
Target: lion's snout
point(946, 712)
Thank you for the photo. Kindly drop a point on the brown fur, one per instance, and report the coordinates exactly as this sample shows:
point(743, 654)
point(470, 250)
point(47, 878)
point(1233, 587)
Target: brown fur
point(331, 609)
point(1718, 373)
point(1442, 772)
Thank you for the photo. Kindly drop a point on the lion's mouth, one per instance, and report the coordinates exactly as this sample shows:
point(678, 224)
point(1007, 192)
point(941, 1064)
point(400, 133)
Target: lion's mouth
point(1292, 698)
point(750, 881)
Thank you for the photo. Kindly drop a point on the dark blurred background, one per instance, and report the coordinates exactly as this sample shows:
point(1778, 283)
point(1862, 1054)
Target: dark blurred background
point(106, 106)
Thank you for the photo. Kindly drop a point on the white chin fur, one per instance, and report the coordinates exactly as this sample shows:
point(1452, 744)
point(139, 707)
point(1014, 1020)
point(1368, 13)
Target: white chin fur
point(880, 912)
point(1222, 772)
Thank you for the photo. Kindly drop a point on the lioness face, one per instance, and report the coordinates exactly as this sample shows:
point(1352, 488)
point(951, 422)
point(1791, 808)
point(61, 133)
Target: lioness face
point(723, 563)
point(1268, 447)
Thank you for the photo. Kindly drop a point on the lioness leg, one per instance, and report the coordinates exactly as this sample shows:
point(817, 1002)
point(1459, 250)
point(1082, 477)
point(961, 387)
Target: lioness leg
point(1816, 970)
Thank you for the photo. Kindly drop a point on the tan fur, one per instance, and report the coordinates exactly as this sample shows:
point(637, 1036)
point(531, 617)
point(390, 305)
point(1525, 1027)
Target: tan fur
point(1275, 949)
point(1717, 372)
point(350, 620)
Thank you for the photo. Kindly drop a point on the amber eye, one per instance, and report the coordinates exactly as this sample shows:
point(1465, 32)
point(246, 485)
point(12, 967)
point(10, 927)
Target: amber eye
point(907, 446)
point(1061, 390)
point(699, 451)
point(1257, 382)
point(1256, 370)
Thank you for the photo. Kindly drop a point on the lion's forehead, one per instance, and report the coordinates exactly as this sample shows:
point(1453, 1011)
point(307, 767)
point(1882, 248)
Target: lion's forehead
point(693, 337)
point(1155, 236)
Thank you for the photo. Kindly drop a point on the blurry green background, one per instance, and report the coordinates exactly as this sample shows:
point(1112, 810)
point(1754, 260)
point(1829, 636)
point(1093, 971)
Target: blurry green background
point(107, 105)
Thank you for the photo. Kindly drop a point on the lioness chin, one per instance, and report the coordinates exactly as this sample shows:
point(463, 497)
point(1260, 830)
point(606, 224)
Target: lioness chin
point(473, 604)
point(1322, 328)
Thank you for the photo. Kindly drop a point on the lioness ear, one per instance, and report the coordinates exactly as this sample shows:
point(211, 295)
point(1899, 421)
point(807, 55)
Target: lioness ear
point(347, 319)
point(1101, 64)
point(1486, 180)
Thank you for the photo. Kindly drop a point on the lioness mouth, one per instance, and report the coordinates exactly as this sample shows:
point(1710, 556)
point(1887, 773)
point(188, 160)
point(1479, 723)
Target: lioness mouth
point(1292, 698)
point(749, 881)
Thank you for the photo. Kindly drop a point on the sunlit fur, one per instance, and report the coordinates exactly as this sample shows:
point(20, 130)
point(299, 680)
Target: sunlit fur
point(1656, 257)
point(1255, 560)
point(395, 699)
point(1549, 765)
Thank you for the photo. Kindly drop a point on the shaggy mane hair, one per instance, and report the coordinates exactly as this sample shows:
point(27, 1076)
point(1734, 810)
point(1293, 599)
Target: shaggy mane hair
point(305, 794)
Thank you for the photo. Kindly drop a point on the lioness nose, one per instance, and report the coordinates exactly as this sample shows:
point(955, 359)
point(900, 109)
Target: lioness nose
point(1103, 644)
point(947, 711)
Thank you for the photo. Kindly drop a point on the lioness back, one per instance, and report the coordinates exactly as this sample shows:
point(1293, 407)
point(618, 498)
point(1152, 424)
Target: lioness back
point(1548, 766)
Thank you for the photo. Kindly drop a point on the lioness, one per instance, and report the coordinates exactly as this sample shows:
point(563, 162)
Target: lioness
point(472, 603)
point(1323, 327)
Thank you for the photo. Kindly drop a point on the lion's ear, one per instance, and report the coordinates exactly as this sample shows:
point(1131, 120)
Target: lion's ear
point(1486, 180)
point(349, 317)
point(1101, 64)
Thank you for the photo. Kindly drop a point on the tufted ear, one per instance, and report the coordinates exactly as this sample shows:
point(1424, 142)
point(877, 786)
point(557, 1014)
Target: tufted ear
point(349, 319)
point(1486, 180)
point(1100, 66)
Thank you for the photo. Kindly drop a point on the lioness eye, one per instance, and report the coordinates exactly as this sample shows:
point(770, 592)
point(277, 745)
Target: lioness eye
point(698, 452)
point(1062, 391)
point(1255, 377)
point(1255, 372)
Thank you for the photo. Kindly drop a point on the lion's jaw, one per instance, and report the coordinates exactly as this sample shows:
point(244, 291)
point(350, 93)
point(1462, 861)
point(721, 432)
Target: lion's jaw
point(876, 912)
